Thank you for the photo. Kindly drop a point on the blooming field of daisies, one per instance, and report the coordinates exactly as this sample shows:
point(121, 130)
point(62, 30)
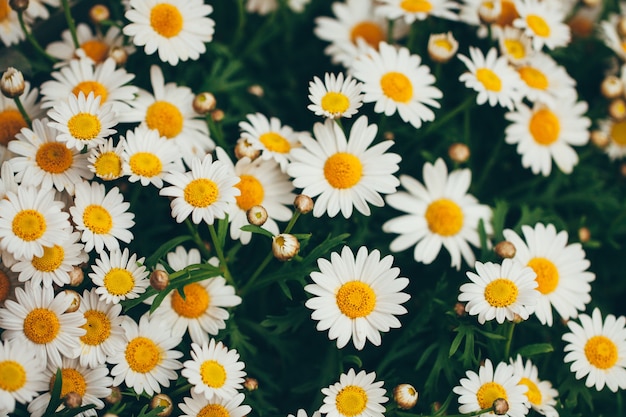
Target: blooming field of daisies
point(308, 208)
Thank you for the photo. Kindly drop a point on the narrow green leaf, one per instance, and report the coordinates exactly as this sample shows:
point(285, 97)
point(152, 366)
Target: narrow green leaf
point(536, 349)
point(353, 359)
point(222, 230)
point(283, 286)
point(256, 229)
point(164, 249)
point(457, 340)
point(55, 394)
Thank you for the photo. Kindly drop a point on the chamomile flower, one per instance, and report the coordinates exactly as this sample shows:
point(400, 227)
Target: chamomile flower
point(335, 97)
point(439, 213)
point(543, 134)
point(10, 30)
point(412, 10)
point(344, 173)
point(119, 276)
point(38, 322)
point(547, 82)
point(543, 23)
point(396, 81)
point(302, 413)
point(357, 297)
point(214, 370)
point(541, 396)
point(11, 120)
point(500, 291)
point(102, 217)
point(198, 406)
point(616, 131)
point(37, 8)
point(20, 375)
point(43, 162)
point(493, 78)
point(176, 29)
point(203, 193)
point(105, 161)
point(82, 122)
point(147, 362)
point(611, 37)
point(355, 395)
point(93, 46)
point(479, 390)
point(597, 350)
point(515, 45)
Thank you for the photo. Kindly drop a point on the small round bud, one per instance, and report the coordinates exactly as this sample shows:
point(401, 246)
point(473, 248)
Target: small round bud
point(517, 319)
point(285, 246)
point(622, 169)
point(489, 11)
point(251, 384)
point(621, 26)
point(617, 109)
point(442, 47)
point(500, 406)
point(599, 138)
point(75, 304)
point(12, 83)
point(218, 115)
point(73, 400)
point(76, 276)
point(162, 400)
point(114, 397)
point(505, 249)
point(243, 148)
point(389, 135)
point(110, 415)
point(303, 203)
point(584, 234)
point(159, 279)
point(459, 152)
point(256, 90)
point(19, 5)
point(405, 396)
point(256, 215)
point(436, 406)
point(204, 102)
point(99, 13)
point(459, 309)
point(612, 87)
point(591, 3)
point(119, 55)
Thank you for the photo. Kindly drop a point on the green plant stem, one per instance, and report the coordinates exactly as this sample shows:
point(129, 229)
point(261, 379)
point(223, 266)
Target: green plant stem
point(71, 25)
point(193, 231)
point(449, 115)
point(22, 110)
point(489, 164)
point(292, 221)
point(216, 132)
point(473, 413)
point(509, 339)
point(32, 40)
point(220, 255)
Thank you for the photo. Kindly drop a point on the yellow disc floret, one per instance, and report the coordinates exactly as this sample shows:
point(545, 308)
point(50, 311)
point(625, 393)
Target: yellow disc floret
point(194, 304)
point(29, 225)
point(343, 170)
point(601, 352)
point(252, 192)
point(533, 393)
point(335, 103)
point(119, 281)
point(397, 87)
point(98, 327)
point(416, 6)
point(201, 193)
point(545, 127)
point(54, 158)
point(533, 77)
point(538, 25)
point(51, 260)
point(12, 376)
point(84, 126)
point(444, 217)
point(275, 142)
point(142, 354)
point(11, 122)
point(356, 299)
point(501, 292)
point(351, 401)
point(213, 410)
point(94, 87)
point(370, 32)
point(547, 274)
point(97, 219)
point(41, 326)
point(145, 164)
point(213, 374)
point(488, 393)
point(166, 118)
point(489, 79)
point(166, 20)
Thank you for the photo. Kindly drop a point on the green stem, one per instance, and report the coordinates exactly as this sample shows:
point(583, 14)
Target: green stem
point(489, 164)
point(22, 110)
point(473, 413)
point(449, 115)
point(216, 132)
point(292, 221)
point(71, 25)
point(509, 339)
point(32, 40)
point(220, 255)
point(256, 273)
point(193, 231)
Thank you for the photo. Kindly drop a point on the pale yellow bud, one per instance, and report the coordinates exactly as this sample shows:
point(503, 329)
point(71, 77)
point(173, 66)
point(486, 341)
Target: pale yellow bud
point(459, 152)
point(204, 103)
point(12, 83)
point(159, 279)
point(505, 249)
point(303, 203)
point(612, 87)
point(75, 304)
point(162, 400)
point(256, 215)
point(405, 396)
point(99, 13)
point(285, 246)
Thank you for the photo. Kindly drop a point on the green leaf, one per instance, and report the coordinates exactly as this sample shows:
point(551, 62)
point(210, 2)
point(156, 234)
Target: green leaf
point(152, 413)
point(222, 230)
point(164, 249)
point(499, 216)
point(536, 349)
point(283, 286)
point(256, 229)
point(353, 359)
point(55, 394)
point(461, 332)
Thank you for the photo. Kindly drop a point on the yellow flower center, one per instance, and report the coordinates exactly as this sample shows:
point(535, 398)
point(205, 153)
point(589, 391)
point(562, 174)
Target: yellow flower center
point(142, 354)
point(533, 78)
point(98, 327)
point(356, 299)
point(351, 400)
point(213, 374)
point(213, 410)
point(108, 165)
point(335, 103)
point(508, 13)
point(84, 126)
point(489, 79)
point(501, 292)
point(41, 326)
point(443, 43)
point(5, 286)
point(545, 127)
point(91, 87)
point(12, 375)
point(145, 164)
point(547, 274)
point(11, 122)
point(96, 50)
point(488, 393)
point(166, 20)
point(29, 225)
point(201, 193)
point(618, 133)
point(119, 281)
point(52, 258)
point(54, 158)
point(252, 192)
point(194, 304)
point(166, 118)
point(343, 170)
point(370, 32)
point(397, 87)
point(416, 6)
point(533, 393)
point(71, 381)
point(601, 352)
point(275, 142)
point(97, 219)
point(444, 217)
point(538, 25)
point(515, 48)
point(4, 9)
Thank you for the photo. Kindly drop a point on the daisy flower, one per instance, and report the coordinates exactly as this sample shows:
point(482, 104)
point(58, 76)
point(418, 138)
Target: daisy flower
point(91, 383)
point(11, 120)
point(43, 162)
point(493, 78)
point(515, 45)
point(344, 173)
point(30, 220)
point(10, 30)
point(562, 276)
point(147, 362)
point(543, 134)
point(479, 390)
point(37, 8)
point(335, 97)
point(176, 29)
point(262, 183)
point(81, 121)
point(442, 46)
point(597, 350)
point(500, 291)
point(543, 23)
point(541, 396)
point(262, 7)
point(119, 276)
point(469, 13)
point(616, 131)
point(38, 322)
point(96, 47)
point(412, 10)
point(354, 395)
point(439, 213)
point(357, 297)
point(7, 179)
point(302, 413)
point(204, 192)
point(198, 406)
point(611, 37)
point(101, 216)
point(148, 156)
point(105, 161)
point(20, 375)
point(396, 81)
point(214, 370)
point(547, 81)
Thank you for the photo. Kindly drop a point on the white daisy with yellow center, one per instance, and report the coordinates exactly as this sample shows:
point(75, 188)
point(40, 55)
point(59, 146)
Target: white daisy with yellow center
point(547, 81)
point(105, 161)
point(515, 45)
point(616, 131)
point(147, 361)
point(37, 8)
point(335, 97)
point(541, 396)
point(198, 406)
point(7, 179)
point(441, 213)
point(204, 193)
point(214, 370)
point(176, 29)
point(561, 268)
point(38, 323)
point(543, 22)
point(11, 120)
point(10, 30)
point(544, 134)
point(610, 36)
point(344, 173)
point(496, 82)
point(119, 276)
point(357, 297)
point(102, 217)
point(91, 383)
point(442, 46)
point(597, 350)
point(500, 291)
point(396, 81)
point(412, 10)
point(479, 390)
point(82, 122)
point(470, 9)
point(21, 375)
point(43, 162)
point(355, 395)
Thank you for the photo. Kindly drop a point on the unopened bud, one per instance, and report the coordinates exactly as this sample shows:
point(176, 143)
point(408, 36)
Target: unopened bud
point(19, 5)
point(622, 169)
point(76, 276)
point(114, 397)
point(500, 406)
point(218, 115)
point(584, 234)
point(621, 26)
point(251, 384)
point(405, 396)
point(12, 83)
point(73, 400)
point(256, 90)
point(99, 13)
point(159, 279)
point(612, 87)
point(599, 138)
point(257, 215)
point(303, 203)
point(442, 47)
point(243, 148)
point(285, 246)
point(505, 249)
point(591, 3)
point(459, 152)
point(162, 400)
point(517, 319)
point(459, 309)
point(489, 11)
point(204, 102)
point(75, 303)
point(389, 135)
point(436, 406)
point(118, 54)
point(617, 109)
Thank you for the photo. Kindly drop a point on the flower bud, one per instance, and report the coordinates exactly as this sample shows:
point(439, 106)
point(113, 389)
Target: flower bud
point(599, 138)
point(119, 55)
point(621, 26)
point(204, 102)
point(617, 109)
point(517, 319)
point(459, 309)
point(500, 406)
point(73, 400)
point(251, 384)
point(114, 397)
point(159, 279)
point(612, 87)
point(285, 246)
point(256, 90)
point(99, 13)
point(243, 148)
point(75, 304)
point(459, 152)
point(405, 396)
point(19, 5)
point(442, 47)
point(257, 215)
point(505, 249)
point(303, 203)
point(218, 115)
point(76, 276)
point(389, 135)
point(162, 400)
point(584, 234)
point(12, 83)
point(489, 11)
